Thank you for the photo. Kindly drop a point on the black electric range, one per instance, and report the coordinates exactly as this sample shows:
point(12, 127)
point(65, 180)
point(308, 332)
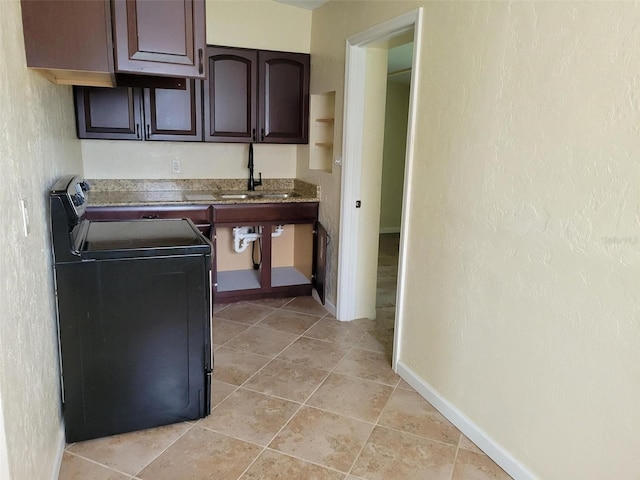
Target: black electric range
point(134, 318)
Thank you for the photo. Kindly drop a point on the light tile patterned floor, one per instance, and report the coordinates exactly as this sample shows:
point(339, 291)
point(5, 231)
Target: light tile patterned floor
point(297, 395)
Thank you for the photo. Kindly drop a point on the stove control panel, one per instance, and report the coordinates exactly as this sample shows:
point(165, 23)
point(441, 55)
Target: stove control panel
point(72, 191)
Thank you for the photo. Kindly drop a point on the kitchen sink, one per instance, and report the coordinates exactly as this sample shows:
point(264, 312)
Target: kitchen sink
point(234, 196)
point(278, 195)
point(244, 196)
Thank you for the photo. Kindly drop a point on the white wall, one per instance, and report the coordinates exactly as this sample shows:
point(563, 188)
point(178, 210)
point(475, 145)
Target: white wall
point(522, 290)
point(260, 24)
point(37, 145)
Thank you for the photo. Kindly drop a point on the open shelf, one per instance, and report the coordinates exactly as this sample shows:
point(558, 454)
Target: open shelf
point(322, 112)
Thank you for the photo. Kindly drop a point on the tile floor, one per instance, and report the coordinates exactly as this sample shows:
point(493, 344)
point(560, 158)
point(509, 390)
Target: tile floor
point(297, 395)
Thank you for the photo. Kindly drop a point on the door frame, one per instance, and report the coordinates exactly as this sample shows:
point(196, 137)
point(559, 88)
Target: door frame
point(349, 262)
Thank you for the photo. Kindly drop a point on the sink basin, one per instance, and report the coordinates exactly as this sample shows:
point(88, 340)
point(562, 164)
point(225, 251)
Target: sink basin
point(244, 196)
point(278, 195)
point(234, 196)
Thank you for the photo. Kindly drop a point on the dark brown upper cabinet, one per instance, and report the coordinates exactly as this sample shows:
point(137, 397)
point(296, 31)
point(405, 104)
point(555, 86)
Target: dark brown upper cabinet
point(160, 37)
point(283, 97)
point(230, 95)
point(174, 114)
point(108, 113)
point(72, 42)
point(256, 96)
point(140, 114)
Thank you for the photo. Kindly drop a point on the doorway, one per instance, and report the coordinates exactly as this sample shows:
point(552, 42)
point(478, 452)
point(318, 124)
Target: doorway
point(366, 70)
point(399, 63)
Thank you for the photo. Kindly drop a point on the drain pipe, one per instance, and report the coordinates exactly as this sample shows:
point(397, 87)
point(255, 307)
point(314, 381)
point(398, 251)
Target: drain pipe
point(243, 236)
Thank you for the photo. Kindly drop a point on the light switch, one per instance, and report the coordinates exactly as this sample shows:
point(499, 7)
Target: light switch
point(25, 216)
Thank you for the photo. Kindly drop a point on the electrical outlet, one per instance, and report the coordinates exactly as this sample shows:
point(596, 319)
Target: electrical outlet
point(25, 216)
point(175, 166)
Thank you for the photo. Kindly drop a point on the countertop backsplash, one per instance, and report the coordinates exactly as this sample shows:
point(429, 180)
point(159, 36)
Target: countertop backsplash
point(106, 192)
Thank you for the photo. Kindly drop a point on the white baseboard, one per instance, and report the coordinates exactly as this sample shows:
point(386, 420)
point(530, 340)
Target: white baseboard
point(487, 444)
point(390, 230)
point(60, 442)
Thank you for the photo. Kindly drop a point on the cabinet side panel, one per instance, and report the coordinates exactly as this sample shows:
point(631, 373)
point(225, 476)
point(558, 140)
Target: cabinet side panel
point(68, 35)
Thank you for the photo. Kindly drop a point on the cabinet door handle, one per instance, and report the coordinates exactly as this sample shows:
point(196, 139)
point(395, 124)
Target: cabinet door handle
point(253, 135)
point(150, 217)
point(148, 131)
point(262, 135)
point(137, 130)
point(200, 65)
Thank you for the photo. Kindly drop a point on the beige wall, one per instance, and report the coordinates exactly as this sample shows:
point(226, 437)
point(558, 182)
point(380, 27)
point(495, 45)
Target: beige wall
point(261, 24)
point(522, 298)
point(125, 159)
point(37, 145)
point(395, 140)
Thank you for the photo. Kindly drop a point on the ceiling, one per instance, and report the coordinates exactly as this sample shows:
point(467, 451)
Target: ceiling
point(306, 4)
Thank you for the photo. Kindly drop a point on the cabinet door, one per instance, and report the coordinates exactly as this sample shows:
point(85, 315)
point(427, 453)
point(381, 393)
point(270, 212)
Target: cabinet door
point(174, 114)
point(230, 95)
point(284, 97)
point(109, 113)
point(320, 244)
point(160, 37)
point(69, 42)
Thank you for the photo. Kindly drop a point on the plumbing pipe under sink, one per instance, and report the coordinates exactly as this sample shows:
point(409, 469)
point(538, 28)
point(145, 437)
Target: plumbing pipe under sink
point(243, 236)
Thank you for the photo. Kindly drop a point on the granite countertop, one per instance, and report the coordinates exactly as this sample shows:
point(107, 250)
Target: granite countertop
point(112, 193)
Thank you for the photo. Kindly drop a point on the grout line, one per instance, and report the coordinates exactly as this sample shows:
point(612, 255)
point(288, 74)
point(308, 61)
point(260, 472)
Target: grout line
point(252, 462)
point(165, 449)
point(455, 459)
point(287, 454)
point(95, 462)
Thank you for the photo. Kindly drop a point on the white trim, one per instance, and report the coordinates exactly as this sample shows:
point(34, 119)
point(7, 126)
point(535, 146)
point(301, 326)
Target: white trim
point(390, 230)
point(407, 188)
point(60, 447)
point(355, 77)
point(488, 445)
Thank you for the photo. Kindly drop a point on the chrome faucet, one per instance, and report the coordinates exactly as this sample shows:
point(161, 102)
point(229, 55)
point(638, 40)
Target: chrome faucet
point(252, 183)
